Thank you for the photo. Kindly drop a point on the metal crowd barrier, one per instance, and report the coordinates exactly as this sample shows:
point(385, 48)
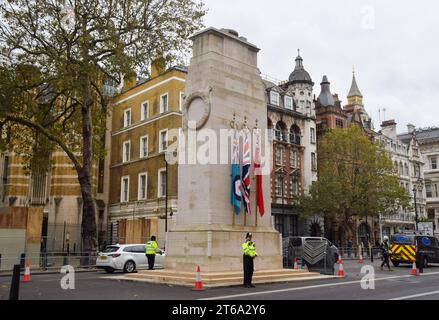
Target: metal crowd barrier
point(45, 261)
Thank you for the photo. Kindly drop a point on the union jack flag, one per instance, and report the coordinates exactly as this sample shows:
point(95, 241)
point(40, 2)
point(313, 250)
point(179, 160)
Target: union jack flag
point(246, 162)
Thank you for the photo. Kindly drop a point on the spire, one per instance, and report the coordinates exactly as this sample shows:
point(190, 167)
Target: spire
point(325, 98)
point(354, 95)
point(299, 61)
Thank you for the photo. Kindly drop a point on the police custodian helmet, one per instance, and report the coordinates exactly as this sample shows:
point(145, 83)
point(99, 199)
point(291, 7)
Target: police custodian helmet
point(249, 235)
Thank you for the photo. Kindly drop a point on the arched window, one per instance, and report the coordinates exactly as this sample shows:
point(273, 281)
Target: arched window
point(280, 131)
point(295, 134)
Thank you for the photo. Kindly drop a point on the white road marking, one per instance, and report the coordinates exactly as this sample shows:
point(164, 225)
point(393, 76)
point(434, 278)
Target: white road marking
point(416, 295)
point(309, 287)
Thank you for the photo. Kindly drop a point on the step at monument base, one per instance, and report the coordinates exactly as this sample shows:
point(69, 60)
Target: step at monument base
point(219, 279)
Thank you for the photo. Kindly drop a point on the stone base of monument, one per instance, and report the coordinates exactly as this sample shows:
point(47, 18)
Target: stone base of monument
point(219, 279)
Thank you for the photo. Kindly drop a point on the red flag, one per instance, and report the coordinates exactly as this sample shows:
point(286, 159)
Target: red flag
point(258, 173)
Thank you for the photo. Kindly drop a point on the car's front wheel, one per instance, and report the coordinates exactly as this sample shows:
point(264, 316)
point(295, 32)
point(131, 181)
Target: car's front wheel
point(129, 266)
point(395, 263)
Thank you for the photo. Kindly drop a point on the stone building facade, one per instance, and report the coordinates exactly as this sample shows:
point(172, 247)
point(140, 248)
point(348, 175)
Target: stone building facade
point(409, 164)
point(428, 139)
point(291, 116)
point(141, 121)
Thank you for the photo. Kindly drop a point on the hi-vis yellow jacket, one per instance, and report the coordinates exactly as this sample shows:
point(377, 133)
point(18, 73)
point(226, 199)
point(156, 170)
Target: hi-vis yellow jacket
point(151, 247)
point(248, 247)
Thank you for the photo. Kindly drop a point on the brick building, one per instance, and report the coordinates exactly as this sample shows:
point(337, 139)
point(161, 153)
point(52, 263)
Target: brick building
point(142, 117)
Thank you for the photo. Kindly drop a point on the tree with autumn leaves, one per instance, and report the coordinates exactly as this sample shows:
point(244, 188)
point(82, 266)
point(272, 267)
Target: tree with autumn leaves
point(56, 56)
point(356, 179)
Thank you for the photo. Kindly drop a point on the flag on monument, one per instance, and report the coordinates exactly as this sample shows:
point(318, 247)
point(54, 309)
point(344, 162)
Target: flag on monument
point(236, 175)
point(246, 162)
point(258, 173)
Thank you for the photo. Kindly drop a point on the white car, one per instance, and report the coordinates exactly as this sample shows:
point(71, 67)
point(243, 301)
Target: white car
point(127, 257)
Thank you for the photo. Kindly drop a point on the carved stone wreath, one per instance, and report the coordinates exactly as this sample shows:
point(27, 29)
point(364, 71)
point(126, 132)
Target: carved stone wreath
point(199, 103)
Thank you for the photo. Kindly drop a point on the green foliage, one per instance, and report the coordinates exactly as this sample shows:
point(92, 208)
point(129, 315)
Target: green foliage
point(356, 177)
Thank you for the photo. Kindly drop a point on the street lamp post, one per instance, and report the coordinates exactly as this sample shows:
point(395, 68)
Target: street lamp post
point(415, 190)
point(417, 186)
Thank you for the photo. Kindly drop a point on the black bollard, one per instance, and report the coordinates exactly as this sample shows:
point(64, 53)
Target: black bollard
point(420, 264)
point(22, 261)
point(0, 261)
point(65, 259)
point(15, 283)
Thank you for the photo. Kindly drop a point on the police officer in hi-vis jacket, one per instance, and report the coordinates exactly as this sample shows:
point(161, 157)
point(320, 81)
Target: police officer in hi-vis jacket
point(249, 251)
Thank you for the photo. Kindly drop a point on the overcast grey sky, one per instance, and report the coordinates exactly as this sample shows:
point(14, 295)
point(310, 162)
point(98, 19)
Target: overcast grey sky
point(393, 45)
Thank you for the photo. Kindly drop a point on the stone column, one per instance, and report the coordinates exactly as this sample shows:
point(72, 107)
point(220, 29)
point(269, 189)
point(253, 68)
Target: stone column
point(223, 80)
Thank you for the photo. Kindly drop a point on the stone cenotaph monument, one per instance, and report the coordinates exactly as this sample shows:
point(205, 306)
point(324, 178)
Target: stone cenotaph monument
point(223, 85)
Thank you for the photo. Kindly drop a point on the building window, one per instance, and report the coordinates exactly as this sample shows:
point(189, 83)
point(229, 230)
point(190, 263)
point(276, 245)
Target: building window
point(339, 123)
point(289, 102)
point(162, 183)
point(313, 161)
point(406, 167)
point(279, 185)
point(144, 109)
point(278, 224)
point(417, 170)
point(181, 101)
point(294, 186)
point(295, 135)
point(142, 186)
point(126, 153)
point(279, 155)
point(429, 191)
point(143, 146)
point(313, 135)
point(279, 132)
point(274, 98)
point(415, 151)
point(293, 158)
point(163, 140)
point(433, 163)
point(125, 189)
point(127, 117)
point(164, 103)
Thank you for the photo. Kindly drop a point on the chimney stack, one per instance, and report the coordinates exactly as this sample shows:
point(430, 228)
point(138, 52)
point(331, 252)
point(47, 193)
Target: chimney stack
point(411, 128)
point(388, 128)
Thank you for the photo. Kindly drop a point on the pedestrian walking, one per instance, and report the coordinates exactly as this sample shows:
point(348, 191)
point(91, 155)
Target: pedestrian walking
point(151, 250)
point(249, 253)
point(386, 253)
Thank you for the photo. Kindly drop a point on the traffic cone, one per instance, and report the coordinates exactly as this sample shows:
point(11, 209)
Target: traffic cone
point(198, 282)
point(361, 260)
point(414, 271)
point(340, 268)
point(26, 276)
point(296, 265)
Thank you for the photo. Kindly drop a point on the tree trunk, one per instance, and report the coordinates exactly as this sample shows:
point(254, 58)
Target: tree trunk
point(88, 225)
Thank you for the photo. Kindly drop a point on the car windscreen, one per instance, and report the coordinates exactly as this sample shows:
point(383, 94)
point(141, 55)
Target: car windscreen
point(111, 249)
point(402, 239)
point(296, 242)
